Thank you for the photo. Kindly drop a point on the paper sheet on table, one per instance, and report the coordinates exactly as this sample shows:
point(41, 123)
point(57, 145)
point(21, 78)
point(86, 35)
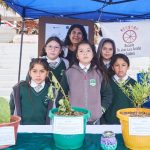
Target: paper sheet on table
point(7, 136)
point(139, 126)
point(68, 125)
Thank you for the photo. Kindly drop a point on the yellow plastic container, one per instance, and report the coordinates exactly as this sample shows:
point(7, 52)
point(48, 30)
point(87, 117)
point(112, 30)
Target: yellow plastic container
point(133, 142)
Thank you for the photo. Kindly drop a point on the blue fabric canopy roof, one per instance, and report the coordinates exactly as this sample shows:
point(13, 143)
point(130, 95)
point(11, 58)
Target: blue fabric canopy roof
point(96, 10)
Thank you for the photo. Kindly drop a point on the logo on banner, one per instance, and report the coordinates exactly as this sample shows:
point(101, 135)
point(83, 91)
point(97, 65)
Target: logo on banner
point(129, 36)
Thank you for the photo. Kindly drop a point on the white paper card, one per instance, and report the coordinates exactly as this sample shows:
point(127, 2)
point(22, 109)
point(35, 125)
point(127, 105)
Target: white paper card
point(68, 125)
point(7, 136)
point(139, 126)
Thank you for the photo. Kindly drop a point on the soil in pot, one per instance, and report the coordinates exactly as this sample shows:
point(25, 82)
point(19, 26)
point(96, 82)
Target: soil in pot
point(136, 114)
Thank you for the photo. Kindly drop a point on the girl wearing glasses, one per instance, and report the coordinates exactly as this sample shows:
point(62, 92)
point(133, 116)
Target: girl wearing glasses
point(52, 52)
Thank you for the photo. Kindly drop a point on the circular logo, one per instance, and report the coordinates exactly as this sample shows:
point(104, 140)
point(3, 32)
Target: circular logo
point(129, 36)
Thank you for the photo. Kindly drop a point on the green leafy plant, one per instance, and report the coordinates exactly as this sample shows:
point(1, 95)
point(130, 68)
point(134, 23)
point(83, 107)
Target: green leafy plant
point(65, 108)
point(139, 92)
point(64, 104)
point(4, 111)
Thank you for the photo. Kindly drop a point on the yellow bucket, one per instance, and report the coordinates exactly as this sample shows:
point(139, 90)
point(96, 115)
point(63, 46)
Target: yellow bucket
point(133, 142)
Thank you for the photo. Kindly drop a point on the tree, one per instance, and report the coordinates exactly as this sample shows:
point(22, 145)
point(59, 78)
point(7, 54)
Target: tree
point(3, 4)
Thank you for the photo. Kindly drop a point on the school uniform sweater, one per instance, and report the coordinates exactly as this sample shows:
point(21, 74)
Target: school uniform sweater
point(119, 101)
point(86, 90)
point(60, 68)
point(32, 106)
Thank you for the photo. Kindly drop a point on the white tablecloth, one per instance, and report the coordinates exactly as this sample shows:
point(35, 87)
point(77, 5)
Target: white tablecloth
point(95, 129)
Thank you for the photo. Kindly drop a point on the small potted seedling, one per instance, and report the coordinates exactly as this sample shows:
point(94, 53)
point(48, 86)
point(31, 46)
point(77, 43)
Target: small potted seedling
point(69, 123)
point(135, 121)
point(8, 125)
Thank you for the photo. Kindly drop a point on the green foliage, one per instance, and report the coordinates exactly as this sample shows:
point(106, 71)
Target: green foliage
point(51, 92)
point(65, 108)
point(64, 104)
point(3, 4)
point(139, 92)
point(54, 87)
point(4, 111)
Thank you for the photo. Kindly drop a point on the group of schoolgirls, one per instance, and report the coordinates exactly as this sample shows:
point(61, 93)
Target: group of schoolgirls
point(91, 81)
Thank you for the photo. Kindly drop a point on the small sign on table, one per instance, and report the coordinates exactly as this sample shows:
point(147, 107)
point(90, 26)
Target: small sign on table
point(139, 126)
point(68, 125)
point(7, 136)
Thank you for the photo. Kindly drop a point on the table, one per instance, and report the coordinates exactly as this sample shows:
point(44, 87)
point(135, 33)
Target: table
point(94, 129)
point(39, 137)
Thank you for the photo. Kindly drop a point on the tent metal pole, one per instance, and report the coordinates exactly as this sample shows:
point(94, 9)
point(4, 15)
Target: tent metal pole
point(21, 45)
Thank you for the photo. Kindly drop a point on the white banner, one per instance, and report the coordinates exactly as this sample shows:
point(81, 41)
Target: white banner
point(131, 38)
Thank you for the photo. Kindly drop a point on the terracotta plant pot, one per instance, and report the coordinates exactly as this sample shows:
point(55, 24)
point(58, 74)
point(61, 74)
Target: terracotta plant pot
point(135, 142)
point(15, 121)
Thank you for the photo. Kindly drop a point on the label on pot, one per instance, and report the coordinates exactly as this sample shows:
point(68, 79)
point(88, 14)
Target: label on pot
point(7, 136)
point(139, 126)
point(68, 125)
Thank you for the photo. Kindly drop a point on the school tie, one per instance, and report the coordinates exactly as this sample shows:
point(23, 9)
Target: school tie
point(38, 88)
point(120, 81)
point(85, 69)
point(107, 66)
point(53, 64)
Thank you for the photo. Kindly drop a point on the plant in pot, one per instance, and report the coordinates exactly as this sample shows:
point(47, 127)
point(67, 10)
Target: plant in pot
point(69, 123)
point(135, 122)
point(8, 124)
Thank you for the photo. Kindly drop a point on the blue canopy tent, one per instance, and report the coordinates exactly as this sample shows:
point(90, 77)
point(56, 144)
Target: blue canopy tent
point(103, 10)
point(95, 10)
